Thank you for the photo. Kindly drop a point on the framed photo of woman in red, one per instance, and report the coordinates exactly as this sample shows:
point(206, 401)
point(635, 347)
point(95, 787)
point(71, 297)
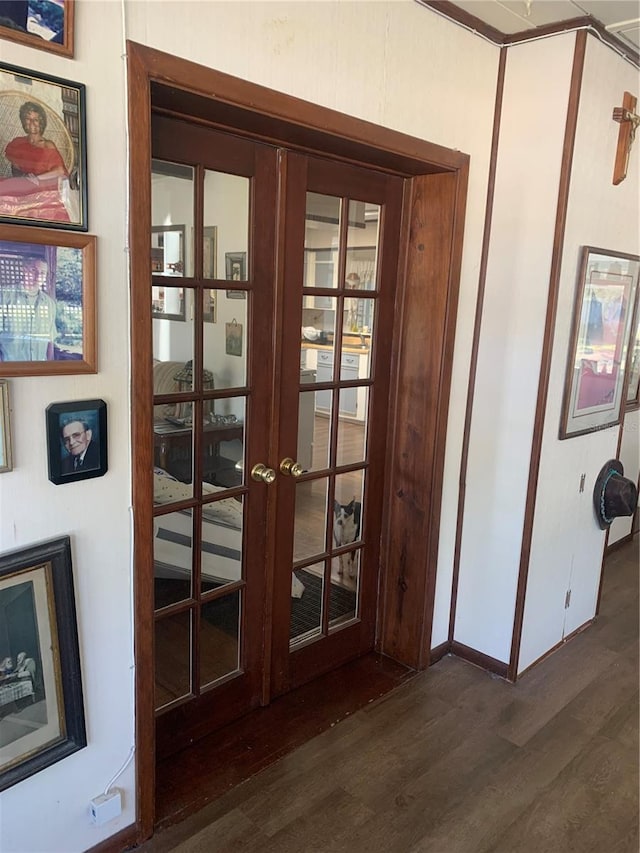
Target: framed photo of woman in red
point(43, 168)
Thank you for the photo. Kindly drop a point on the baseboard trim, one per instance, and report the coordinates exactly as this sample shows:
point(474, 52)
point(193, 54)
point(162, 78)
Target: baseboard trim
point(498, 667)
point(619, 543)
point(557, 646)
point(438, 652)
point(117, 843)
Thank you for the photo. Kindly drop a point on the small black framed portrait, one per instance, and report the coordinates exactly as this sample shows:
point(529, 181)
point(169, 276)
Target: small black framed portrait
point(77, 440)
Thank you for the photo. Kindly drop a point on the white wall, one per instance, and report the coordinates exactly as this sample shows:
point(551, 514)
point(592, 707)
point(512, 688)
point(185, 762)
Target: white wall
point(394, 63)
point(567, 544)
point(397, 64)
point(49, 812)
point(528, 169)
point(630, 458)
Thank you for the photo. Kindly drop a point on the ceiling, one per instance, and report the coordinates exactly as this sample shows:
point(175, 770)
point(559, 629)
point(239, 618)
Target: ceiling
point(621, 18)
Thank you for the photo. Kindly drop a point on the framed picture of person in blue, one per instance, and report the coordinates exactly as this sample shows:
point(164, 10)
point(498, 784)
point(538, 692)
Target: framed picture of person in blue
point(45, 24)
point(77, 440)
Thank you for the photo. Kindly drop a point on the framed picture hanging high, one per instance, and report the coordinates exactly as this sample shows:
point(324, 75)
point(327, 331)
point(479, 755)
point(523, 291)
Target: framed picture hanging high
point(604, 311)
point(45, 24)
point(47, 302)
point(43, 159)
point(40, 679)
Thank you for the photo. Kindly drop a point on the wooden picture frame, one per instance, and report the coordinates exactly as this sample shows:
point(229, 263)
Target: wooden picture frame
point(77, 440)
point(235, 266)
point(40, 676)
point(44, 25)
point(43, 157)
point(6, 458)
point(233, 338)
point(61, 266)
point(605, 303)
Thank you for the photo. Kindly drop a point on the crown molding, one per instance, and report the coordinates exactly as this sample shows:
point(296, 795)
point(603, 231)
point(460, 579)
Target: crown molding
point(471, 22)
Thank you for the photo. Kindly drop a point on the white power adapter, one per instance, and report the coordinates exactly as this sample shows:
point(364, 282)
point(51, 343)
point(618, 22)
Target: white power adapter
point(107, 806)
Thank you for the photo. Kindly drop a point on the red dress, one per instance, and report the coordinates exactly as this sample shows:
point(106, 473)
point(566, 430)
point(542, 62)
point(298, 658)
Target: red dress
point(20, 197)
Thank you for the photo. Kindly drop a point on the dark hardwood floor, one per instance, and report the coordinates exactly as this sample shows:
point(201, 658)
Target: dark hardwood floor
point(453, 760)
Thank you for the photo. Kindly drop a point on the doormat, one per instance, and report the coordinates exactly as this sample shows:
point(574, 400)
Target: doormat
point(223, 612)
point(306, 611)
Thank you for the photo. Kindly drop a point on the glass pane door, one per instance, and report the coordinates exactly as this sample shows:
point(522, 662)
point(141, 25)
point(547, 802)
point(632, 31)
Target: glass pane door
point(336, 345)
point(340, 400)
point(209, 389)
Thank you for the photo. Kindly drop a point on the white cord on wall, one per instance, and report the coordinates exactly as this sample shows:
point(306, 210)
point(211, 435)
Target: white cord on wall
point(121, 770)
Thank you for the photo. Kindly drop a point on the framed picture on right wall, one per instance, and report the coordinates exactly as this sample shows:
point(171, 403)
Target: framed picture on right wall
point(633, 386)
point(604, 314)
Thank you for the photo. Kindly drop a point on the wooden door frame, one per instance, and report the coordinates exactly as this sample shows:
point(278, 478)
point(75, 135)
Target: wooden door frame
point(426, 306)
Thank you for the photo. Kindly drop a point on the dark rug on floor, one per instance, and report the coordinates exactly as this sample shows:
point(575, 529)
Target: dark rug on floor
point(223, 612)
point(305, 611)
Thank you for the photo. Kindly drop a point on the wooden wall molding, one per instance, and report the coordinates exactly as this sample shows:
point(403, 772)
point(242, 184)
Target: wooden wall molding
point(588, 24)
point(557, 646)
point(475, 346)
point(547, 345)
point(477, 658)
point(424, 338)
point(118, 843)
point(438, 652)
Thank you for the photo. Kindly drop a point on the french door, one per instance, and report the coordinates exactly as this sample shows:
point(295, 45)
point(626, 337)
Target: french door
point(272, 294)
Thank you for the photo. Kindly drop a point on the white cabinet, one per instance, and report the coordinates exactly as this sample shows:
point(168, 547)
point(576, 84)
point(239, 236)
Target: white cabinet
point(305, 422)
point(352, 367)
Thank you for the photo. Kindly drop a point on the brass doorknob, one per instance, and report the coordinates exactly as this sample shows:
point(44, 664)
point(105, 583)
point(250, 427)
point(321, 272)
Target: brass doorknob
point(262, 474)
point(291, 468)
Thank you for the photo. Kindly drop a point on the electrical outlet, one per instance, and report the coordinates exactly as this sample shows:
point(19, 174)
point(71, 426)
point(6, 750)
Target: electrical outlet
point(105, 807)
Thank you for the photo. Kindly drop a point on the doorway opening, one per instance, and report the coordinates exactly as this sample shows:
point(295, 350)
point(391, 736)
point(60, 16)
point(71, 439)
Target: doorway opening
point(297, 157)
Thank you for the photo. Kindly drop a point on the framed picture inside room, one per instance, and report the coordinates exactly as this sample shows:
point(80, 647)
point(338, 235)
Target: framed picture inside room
point(167, 261)
point(236, 270)
point(604, 311)
point(233, 338)
point(6, 459)
point(47, 302)
point(43, 158)
point(77, 440)
point(40, 679)
point(44, 24)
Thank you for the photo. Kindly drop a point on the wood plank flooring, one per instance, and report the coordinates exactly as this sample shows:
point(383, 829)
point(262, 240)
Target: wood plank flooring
point(455, 760)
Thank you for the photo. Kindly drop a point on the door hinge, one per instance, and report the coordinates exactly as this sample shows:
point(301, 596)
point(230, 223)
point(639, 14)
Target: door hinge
point(567, 599)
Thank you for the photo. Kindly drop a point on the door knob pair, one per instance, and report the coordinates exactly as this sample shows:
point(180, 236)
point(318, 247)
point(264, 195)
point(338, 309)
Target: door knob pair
point(288, 466)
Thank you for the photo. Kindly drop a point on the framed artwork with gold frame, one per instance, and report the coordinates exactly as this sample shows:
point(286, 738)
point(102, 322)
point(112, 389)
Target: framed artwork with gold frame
point(47, 302)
